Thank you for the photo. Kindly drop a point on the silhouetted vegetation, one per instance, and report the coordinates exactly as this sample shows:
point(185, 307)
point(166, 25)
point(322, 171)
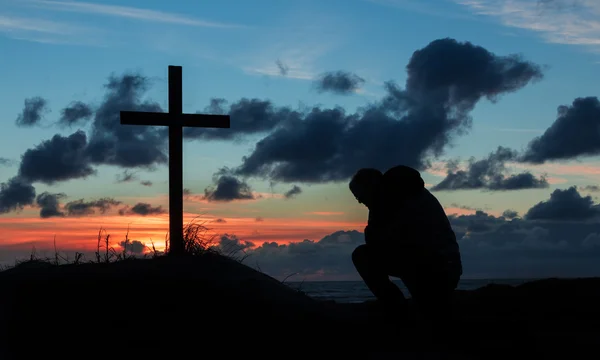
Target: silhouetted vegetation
point(121, 304)
point(197, 238)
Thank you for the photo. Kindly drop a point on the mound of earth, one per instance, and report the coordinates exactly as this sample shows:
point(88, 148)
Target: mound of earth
point(210, 305)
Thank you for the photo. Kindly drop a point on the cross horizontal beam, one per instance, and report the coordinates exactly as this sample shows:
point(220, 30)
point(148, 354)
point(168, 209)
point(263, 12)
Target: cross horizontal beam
point(169, 119)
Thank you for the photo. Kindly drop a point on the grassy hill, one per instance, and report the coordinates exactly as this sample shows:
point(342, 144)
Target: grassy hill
point(205, 304)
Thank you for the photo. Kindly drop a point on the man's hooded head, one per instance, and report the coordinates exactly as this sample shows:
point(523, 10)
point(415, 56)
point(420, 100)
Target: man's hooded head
point(397, 184)
point(364, 185)
point(401, 182)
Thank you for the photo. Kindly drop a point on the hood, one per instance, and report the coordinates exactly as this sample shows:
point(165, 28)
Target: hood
point(402, 182)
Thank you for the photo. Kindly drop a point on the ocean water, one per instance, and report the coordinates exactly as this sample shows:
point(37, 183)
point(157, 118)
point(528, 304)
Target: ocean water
point(356, 291)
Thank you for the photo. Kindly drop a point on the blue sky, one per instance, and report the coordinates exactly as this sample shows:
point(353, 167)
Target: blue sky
point(63, 51)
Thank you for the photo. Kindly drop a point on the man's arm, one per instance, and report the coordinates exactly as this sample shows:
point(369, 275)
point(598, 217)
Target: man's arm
point(376, 231)
point(368, 235)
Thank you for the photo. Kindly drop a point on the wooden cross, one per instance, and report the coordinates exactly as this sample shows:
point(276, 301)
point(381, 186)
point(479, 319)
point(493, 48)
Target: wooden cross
point(175, 119)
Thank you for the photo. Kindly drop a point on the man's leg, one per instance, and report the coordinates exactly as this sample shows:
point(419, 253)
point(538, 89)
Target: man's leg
point(433, 294)
point(370, 266)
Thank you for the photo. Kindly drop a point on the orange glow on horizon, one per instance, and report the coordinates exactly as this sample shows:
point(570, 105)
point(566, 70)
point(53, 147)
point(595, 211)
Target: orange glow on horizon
point(456, 211)
point(326, 213)
point(564, 169)
point(459, 211)
point(22, 231)
point(556, 180)
point(81, 233)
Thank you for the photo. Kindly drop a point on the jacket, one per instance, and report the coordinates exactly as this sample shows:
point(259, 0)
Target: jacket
point(406, 215)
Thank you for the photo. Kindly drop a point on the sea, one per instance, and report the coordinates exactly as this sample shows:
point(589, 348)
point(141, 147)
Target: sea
point(356, 291)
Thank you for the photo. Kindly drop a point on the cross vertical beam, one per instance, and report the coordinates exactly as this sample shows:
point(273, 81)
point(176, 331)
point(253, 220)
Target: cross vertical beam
point(175, 119)
point(175, 162)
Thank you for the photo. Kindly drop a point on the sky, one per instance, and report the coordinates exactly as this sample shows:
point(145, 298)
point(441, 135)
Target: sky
point(493, 101)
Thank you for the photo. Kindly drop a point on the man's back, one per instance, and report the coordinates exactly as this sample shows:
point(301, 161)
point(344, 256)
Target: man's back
point(426, 222)
point(408, 215)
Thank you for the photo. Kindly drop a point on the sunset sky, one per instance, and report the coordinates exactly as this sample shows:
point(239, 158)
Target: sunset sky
point(315, 91)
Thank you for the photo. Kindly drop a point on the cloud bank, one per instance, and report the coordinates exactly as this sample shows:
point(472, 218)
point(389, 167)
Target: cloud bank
point(412, 125)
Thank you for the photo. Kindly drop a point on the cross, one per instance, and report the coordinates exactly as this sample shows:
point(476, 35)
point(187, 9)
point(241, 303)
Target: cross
point(175, 119)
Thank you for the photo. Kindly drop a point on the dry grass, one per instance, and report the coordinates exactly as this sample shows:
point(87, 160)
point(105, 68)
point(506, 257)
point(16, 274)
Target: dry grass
point(197, 237)
point(198, 240)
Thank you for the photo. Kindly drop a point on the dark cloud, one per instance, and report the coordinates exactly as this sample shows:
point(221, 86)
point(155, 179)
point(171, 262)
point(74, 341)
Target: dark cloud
point(574, 133)
point(339, 82)
point(591, 188)
point(316, 145)
point(77, 113)
point(6, 162)
point(146, 183)
point(491, 247)
point(227, 188)
point(479, 222)
point(70, 157)
point(142, 209)
point(293, 192)
point(231, 245)
point(465, 207)
point(50, 204)
point(248, 117)
point(329, 256)
point(126, 176)
point(520, 181)
point(33, 112)
point(489, 174)
point(283, 68)
point(84, 208)
point(408, 126)
point(470, 74)
point(219, 220)
point(217, 106)
point(133, 246)
point(510, 214)
point(259, 219)
point(527, 248)
point(565, 204)
point(126, 146)
point(15, 194)
point(58, 159)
